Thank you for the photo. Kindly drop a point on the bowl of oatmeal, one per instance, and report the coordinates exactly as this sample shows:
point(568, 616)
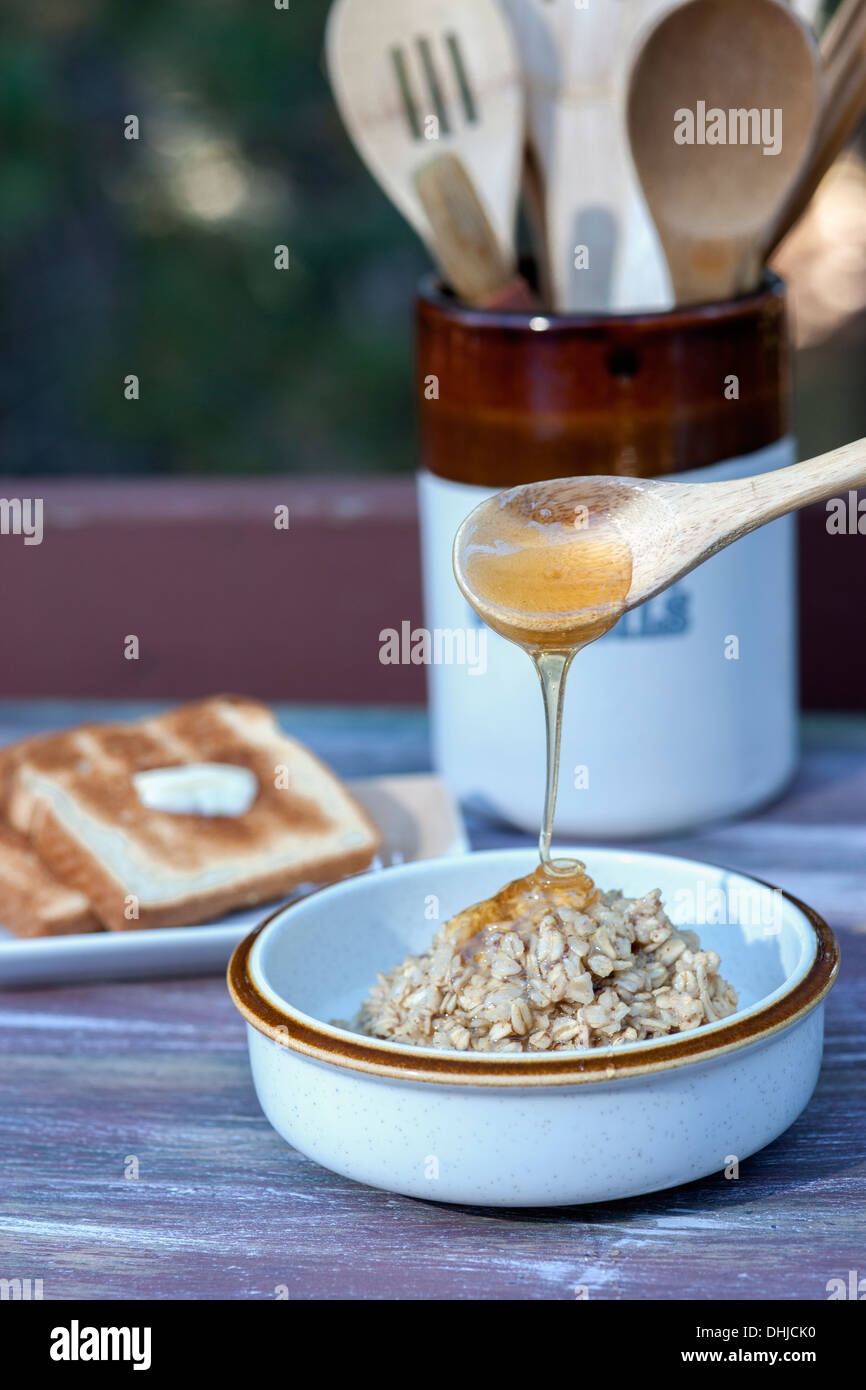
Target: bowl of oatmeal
point(463, 1030)
point(550, 965)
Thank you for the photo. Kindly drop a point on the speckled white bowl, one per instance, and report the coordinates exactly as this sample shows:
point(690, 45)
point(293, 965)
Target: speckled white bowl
point(541, 1129)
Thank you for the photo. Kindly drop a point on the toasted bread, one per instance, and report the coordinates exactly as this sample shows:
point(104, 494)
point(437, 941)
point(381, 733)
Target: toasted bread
point(73, 795)
point(32, 901)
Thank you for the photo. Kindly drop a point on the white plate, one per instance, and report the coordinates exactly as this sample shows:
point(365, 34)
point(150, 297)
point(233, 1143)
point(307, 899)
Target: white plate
point(416, 814)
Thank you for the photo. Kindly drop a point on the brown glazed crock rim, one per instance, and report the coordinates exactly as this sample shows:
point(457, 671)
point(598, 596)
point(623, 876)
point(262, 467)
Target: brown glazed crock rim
point(403, 1062)
point(432, 295)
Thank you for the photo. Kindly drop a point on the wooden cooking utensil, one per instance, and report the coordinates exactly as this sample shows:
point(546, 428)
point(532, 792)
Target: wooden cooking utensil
point(843, 52)
point(714, 204)
point(844, 110)
point(575, 62)
point(418, 79)
point(465, 243)
point(842, 37)
point(671, 528)
point(810, 10)
point(532, 190)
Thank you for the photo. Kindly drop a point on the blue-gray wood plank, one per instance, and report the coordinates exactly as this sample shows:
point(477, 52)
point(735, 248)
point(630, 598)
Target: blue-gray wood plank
point(92, 1076)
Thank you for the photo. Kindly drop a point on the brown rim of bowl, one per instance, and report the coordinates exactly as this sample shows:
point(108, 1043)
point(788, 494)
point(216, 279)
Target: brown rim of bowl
point(536, 1069)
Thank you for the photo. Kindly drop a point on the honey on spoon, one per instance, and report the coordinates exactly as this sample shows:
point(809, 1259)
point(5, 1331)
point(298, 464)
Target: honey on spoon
point(553, 566)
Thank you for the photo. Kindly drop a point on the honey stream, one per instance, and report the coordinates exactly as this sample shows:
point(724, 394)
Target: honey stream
point(551, 577)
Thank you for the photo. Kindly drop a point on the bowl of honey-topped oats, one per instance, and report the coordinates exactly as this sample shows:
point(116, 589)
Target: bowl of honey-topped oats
point(467, 1030)
point(548, 965)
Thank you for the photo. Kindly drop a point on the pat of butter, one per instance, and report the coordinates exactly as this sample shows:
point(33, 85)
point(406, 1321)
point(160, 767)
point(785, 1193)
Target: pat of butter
point(198, 789)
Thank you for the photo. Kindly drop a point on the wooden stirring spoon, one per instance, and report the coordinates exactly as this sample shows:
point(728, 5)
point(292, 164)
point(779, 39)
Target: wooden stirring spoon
point(431, 93)
point(723, 107)
point(842, 35)
point(553, 565)
point(844, 56)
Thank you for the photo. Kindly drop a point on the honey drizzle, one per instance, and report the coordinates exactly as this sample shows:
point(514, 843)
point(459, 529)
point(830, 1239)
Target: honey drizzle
point(521, 553)
point(552, 669)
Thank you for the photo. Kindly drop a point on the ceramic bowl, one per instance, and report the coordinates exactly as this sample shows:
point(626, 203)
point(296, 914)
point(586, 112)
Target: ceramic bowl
point(530, 1129)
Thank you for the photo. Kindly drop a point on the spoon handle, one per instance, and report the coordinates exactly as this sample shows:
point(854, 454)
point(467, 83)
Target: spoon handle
point(475, 265)
point(747, 503)
point(704, 518)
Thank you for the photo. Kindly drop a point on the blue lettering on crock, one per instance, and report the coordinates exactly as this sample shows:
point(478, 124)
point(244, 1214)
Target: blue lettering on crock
point(669, 615)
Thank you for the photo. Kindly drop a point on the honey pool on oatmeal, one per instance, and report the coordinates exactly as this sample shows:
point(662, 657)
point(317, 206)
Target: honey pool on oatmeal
point(550, 965)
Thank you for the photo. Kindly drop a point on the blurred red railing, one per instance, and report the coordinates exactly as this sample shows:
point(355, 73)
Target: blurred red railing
point(221, 599)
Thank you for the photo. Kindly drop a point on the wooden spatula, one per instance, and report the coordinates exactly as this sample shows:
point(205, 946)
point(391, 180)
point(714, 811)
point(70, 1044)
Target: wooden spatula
point(416, 80)
point(576, 61)
point(465, 243)
point(713, 203)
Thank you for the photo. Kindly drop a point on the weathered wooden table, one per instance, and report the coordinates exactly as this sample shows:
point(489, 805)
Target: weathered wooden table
point(92, 1076)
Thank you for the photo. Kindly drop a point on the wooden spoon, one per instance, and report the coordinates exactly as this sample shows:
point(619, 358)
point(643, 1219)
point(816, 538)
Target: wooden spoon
point(416, 80)
point(842, 35)
point(576, 61)
point(714, 203)
point(641, 536)
point(843, 49)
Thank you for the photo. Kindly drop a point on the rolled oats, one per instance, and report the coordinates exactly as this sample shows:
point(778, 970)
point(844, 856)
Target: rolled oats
point(539, 968)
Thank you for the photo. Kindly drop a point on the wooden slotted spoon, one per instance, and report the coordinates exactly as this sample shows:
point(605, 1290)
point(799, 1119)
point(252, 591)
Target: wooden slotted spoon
point(431, 94)
point(714, 204)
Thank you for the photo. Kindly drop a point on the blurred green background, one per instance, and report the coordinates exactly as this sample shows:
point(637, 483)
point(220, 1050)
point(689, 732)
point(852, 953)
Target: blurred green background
point(156, 256)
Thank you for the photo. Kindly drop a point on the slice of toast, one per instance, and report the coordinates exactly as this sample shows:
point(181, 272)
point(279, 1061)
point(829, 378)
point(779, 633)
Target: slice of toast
point(73, 795)
point(32, 901)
